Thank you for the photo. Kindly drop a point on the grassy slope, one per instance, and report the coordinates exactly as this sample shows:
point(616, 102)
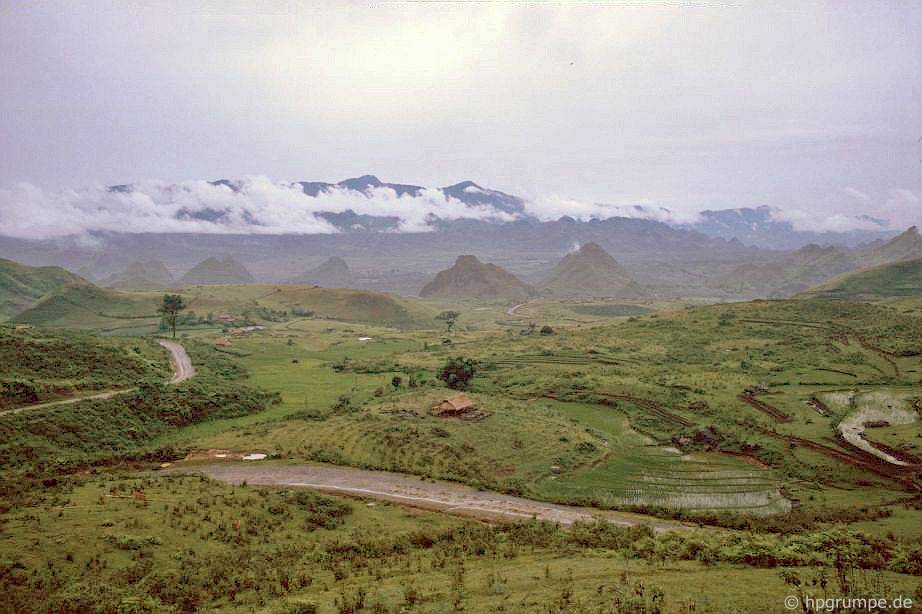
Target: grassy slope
point(57, 363)
point(22, 286)
point(892, 280)
point(188, 543)
point(265, 551)
point(706, 354)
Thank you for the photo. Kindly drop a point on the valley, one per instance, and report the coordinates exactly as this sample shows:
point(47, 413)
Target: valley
point(590, 422)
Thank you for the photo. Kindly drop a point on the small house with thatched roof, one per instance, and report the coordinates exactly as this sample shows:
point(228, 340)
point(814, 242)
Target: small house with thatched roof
point(454, 405)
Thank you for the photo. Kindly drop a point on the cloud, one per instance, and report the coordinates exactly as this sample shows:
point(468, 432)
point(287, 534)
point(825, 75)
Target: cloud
point(257, 206)
point(553, 208)
point(895, 209)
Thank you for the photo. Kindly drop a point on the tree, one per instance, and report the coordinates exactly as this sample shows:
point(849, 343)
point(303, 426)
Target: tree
point(449, 317)
point(396, 381)
point(458, 372)
point(170, 308)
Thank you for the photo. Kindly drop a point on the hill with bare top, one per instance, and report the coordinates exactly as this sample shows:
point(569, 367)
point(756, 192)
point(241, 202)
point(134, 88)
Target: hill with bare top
point(332, 273)
point(151, 275)
point(591, 271)
point(471, 278)
point(217, 272)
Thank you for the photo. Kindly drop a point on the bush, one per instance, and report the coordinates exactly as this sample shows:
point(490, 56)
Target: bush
point(458, 372)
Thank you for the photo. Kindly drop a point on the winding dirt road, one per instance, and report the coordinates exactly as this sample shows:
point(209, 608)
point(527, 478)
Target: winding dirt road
point(412, 491)
point(179, 361)
point(511, 311)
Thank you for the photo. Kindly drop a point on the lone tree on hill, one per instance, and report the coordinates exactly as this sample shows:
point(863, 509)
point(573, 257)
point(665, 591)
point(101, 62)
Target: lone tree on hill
point(449, 317)
point(458, 372)
point(170, 308)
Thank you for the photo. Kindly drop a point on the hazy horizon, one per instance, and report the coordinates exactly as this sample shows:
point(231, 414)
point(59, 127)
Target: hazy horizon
point(811, 109)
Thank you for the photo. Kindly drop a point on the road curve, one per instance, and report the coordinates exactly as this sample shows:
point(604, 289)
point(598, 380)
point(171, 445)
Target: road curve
point(412, 491)
point(179, 361)
point(511, 311)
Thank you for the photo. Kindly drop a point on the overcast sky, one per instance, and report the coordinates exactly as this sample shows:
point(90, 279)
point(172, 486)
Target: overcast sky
point(815, 108)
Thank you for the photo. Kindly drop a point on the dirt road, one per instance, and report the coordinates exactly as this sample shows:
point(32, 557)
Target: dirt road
point(179, 360)
point(415, 492)
point(511, 311)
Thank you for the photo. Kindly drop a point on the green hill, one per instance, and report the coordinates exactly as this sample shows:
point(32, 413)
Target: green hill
point(591, 271)
point(260, 301)
point(895, 279)
point(40, 364)
point(470, 278)
point(22, 286)
point(333, 273)
point(83, 305)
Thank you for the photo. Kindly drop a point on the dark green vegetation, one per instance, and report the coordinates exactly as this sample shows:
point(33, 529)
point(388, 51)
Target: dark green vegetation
point(22, 286)
point(170, 307)
point(895, 279)
point(45, 443)
point(44, 365)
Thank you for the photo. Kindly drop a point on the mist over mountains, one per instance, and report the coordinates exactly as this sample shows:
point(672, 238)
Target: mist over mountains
point(258, 205)
point(396, 236)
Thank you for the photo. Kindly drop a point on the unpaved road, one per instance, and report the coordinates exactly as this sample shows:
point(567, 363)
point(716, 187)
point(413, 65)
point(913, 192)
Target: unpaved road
point(511, 311)
point(414, 492)
point(179, 360)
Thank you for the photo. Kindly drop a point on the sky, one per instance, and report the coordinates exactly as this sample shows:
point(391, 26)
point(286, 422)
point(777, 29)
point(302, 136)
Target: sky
point(811, 107)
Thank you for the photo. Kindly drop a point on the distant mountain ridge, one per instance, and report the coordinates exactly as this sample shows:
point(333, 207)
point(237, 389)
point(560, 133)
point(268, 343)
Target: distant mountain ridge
point(765, 227)
point(812, 265)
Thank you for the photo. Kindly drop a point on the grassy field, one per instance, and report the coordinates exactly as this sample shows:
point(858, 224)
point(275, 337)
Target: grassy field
point(123, 543)
point(724, 415)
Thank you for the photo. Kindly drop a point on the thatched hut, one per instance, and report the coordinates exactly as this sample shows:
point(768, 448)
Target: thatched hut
point(454, 405)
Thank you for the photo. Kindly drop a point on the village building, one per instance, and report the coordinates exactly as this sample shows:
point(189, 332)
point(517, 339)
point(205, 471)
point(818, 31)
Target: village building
point(454, 405)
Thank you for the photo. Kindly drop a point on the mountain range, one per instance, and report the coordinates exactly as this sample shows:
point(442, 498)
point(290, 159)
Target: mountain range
point(812, 265)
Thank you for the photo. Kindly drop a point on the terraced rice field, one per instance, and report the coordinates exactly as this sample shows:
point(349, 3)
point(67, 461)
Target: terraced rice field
point(637, 474)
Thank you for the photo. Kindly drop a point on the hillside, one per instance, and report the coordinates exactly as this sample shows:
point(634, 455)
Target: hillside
point(22, 286)
point(333, 273)
point(217, 272)
point(591, 271)
point(150, 275)
point(40, 365)
point(895, 279)
point(906, 246)
point(473, 279)
point(84, 305)
point(813, 265)
point(808, 266)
